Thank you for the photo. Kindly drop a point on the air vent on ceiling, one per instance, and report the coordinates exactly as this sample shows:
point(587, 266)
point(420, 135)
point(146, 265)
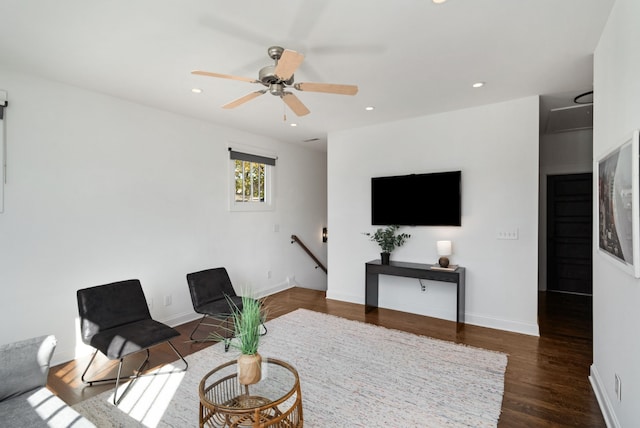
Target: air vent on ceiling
point(570, 118)
point(310, 140)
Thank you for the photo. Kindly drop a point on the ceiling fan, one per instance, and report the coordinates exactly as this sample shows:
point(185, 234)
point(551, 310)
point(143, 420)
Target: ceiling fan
point(278, 78)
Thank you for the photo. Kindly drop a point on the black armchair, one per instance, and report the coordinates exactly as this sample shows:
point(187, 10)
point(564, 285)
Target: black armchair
point(212, 295)
point(115, 320)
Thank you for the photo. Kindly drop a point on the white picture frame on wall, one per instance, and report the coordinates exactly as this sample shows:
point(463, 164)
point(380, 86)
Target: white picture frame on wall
point(3, 149)
point(618, 173)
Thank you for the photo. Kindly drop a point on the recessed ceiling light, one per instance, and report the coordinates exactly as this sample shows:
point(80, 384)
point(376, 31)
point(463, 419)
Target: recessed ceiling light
point(196, 90)
point(369, 108)
point(478, 85)
point(439, 1)
point(293, 124)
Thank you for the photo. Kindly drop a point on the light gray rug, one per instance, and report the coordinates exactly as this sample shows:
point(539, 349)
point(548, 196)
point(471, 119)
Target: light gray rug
point(352, 374)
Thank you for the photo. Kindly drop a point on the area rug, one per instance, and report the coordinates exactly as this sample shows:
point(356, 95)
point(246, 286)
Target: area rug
point(352, 374)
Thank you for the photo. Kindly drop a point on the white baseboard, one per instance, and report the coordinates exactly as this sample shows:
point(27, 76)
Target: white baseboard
point(178, 319)
point(603, 399)
point(344, 297)
point(276, 289)
point(501, 324)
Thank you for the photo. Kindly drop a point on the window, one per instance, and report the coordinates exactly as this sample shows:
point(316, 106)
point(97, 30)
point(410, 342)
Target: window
point(252, 177)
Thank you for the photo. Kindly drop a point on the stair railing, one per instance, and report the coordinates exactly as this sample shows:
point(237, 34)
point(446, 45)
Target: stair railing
point(319, 264)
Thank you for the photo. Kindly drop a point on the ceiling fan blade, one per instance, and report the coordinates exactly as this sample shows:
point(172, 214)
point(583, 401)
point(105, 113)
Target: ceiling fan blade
point(288, 63)
point(295, 104)
point(224, 76)
point(242, 100)
point(330, 88)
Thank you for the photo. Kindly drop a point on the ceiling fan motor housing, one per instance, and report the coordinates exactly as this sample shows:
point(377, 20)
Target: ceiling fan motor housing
point(267, 76)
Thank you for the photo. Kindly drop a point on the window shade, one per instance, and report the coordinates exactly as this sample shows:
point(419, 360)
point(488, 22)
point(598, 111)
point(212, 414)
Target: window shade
point(251, 158)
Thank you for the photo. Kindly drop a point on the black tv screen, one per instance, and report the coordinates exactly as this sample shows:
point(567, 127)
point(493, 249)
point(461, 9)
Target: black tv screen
point(417, 199)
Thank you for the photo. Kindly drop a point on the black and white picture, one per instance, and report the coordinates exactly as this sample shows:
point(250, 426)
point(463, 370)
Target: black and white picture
point(618, 205)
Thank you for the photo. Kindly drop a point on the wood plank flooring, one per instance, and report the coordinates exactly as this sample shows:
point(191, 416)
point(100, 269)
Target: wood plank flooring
point(546, 383)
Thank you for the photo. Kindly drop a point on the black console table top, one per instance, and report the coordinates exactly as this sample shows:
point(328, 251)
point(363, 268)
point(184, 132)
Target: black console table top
point(374, 268)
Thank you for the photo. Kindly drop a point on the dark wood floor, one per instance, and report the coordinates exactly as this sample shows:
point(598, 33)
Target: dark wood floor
point(546, 383)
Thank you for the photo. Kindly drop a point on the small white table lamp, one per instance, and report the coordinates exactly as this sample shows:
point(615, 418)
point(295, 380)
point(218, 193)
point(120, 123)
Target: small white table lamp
point(444, 250)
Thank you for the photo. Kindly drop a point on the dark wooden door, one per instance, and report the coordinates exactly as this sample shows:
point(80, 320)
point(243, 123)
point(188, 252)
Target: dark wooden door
point(569, 233)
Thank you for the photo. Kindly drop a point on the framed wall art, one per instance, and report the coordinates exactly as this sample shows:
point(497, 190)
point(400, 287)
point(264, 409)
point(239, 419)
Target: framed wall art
point(618, 205)
point(3, 149)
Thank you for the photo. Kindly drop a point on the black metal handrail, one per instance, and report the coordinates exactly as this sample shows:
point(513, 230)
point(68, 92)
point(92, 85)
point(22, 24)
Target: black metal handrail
point(294, 238)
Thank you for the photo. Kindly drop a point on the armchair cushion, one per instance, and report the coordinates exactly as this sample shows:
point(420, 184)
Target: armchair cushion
point(24, 365)
point(220, 308)
point(136, 336)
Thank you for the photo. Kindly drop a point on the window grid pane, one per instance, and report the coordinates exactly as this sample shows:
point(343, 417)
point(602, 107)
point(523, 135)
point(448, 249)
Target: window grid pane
point(239, 178)
point(250, 181)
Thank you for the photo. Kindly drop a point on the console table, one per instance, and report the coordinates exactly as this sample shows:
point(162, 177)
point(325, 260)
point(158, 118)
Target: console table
point(374, 268)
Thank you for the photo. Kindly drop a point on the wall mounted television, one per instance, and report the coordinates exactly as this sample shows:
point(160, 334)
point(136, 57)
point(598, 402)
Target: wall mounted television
point(432, 199)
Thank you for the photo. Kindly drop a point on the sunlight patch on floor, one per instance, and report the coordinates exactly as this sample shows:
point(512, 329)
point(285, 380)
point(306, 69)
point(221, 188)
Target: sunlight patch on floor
point(150, 395)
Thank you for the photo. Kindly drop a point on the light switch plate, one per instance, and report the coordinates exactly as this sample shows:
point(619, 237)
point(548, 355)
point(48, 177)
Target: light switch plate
point(509, 234)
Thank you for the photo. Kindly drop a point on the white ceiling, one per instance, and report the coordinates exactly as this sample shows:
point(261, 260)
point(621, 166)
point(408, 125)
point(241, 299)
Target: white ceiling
point(408, 57)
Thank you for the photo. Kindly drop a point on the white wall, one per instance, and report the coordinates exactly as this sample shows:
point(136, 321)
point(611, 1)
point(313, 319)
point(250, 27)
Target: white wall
point(496, 147)
point(561, 153)
point(616, 294)
point(102, 190)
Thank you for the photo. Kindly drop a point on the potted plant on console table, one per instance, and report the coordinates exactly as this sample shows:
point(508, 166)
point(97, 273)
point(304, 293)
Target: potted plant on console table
point(388, 240)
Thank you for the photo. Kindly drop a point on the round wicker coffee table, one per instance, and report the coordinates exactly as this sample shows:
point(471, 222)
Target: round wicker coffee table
point(275, 401)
